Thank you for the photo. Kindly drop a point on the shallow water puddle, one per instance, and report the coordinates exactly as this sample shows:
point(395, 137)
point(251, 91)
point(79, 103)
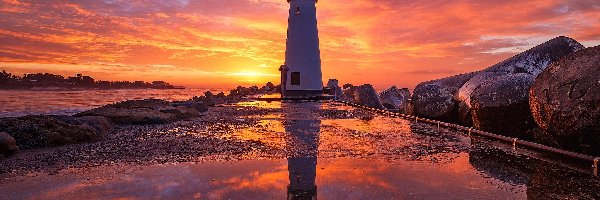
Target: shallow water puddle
point(340, 178)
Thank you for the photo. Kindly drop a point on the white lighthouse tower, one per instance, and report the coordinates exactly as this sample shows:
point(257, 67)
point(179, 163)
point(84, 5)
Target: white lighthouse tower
point(301, 74)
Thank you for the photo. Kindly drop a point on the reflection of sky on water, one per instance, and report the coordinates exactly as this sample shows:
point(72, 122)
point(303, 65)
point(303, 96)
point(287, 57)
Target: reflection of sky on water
point(341, 178)
point(328, 159)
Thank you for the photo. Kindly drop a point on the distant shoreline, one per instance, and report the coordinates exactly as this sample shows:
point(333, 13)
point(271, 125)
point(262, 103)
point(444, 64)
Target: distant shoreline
point(47, 81)
point(83, 89)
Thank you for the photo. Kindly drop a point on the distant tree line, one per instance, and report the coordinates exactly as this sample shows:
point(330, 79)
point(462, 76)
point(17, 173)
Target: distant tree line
point(47, 80)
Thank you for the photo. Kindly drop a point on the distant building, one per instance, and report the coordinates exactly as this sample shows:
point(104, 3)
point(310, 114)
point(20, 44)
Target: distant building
point(301, 74)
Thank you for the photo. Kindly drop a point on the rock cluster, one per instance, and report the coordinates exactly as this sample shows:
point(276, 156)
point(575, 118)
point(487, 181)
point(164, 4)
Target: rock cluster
point(246, 91)
point(565, 102)
point(149, 111)
point(501, 91)
point(530, 63)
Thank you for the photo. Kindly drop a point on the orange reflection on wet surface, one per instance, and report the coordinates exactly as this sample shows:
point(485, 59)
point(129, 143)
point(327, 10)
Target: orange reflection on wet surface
point(324, 150)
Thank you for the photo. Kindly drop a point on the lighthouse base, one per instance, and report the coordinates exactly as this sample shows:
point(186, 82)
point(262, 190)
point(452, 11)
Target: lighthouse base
point(303, 93)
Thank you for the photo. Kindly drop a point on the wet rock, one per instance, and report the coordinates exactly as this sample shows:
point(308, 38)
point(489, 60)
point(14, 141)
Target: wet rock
point(463, 96)
point(501, 106)
point(149, 111)
point(220, 95)
point(43, 131)
point(8, 145)
point(196, 105)
point(101, 124)
point(530, 62)
point(565, 102)
point(367, 96)
point(394, 98)
point(435, 99)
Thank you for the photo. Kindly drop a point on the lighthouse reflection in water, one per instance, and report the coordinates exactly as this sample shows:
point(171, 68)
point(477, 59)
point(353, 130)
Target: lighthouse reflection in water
point(302, 147)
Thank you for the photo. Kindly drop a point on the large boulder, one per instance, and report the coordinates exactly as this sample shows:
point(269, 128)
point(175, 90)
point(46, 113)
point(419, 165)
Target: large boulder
point(367, 96)
point(394, 98)
point(44, 131)
point(565, 102)
point(531, 62)
point(435, 99)
point(501, 106)
point(8, 145)
point(463, 95)
point(149, 111)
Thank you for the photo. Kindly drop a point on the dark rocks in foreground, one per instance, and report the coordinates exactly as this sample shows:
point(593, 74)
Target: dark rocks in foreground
point(44, 131)
point(565, 102)
point(463, 95)
point(450, 99)
point(501, 106)
point(149, 111)
point(8, 145)
point(435, 99)
point(530, 62)
point(367, 96)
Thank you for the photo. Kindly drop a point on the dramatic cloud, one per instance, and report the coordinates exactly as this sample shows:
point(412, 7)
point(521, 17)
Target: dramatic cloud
point(216, 43)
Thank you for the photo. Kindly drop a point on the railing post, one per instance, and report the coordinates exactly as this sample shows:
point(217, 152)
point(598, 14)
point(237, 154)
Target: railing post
point(596, 166)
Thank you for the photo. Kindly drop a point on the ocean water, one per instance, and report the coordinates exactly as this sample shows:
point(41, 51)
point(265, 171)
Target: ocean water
point(14, 103)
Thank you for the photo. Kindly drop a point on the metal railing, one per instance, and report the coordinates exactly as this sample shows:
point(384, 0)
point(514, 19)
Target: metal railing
point(470, 131)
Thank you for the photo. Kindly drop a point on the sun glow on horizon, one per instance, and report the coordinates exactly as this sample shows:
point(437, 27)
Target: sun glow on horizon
point(215, 43)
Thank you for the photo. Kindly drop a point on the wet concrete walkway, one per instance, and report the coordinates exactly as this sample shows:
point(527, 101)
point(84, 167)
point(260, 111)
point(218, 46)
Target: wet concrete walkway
point(325, 150)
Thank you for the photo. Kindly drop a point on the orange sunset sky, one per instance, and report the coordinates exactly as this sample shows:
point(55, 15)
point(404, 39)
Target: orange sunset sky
point(225, 43)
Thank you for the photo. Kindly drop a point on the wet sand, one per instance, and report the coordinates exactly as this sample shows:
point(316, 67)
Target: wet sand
point(274, 150)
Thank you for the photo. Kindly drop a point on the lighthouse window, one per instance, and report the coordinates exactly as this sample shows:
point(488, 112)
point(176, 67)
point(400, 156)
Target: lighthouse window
point(295, 78)
point(297, 10)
